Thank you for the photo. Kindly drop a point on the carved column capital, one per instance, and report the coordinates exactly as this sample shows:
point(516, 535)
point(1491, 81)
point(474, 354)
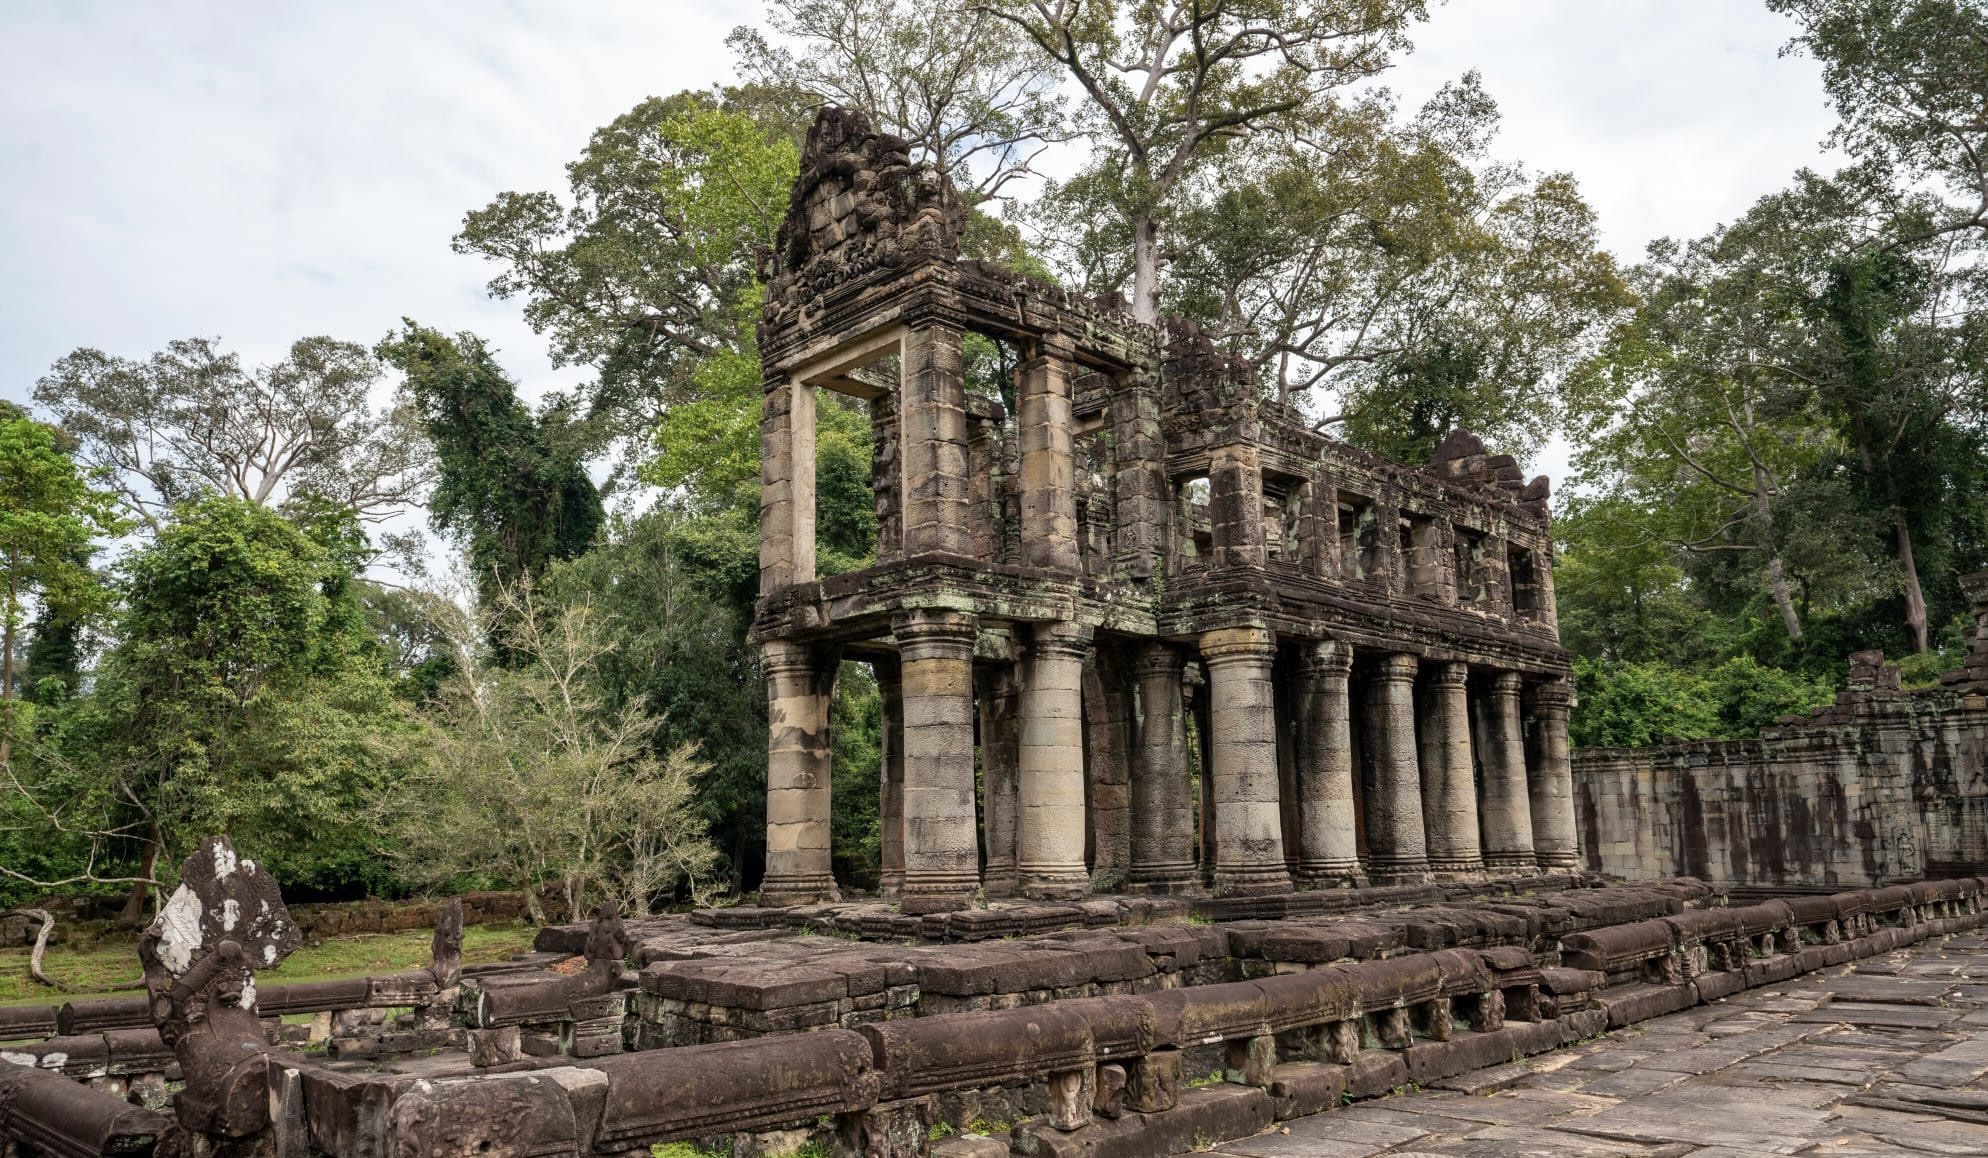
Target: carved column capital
point(1234, 644)
point(1068, 640)
point(1325, 657)
point(932, 628)
point(1554, 697)
point(1396, 669)
point(1157, 659)
point(1449, 675)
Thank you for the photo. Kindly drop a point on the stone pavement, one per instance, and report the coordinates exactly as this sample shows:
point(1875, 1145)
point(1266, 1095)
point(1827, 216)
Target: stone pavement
point(1889, 1056)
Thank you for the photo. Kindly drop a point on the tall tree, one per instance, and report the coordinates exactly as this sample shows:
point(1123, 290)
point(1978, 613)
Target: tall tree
point(1909, 79)
point(965, 88)
point(1398, 274)
point(511, 487)
point(243, 694)
point(648, 274)
point(1172, 85)
point(192, 420)
point(50, 519)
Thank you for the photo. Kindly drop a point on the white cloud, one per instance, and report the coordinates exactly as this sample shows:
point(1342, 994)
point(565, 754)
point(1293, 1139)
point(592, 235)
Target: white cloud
point(263, 172)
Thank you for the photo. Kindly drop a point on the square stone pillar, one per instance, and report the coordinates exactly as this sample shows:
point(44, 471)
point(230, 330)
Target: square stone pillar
point(1162, 794)
point(1506, 807)
point(1000, 744)
point(1397, 849)
point(1249, 841)
point(1049, 843)
point(932, 441)
point(1139, 478)
point(890, 792)
point(941, 844)
point(800, 681)
point(786, 484)
point(1554, 838)
point(1235, 505)
point(1328, 849)
point(1049, 465)
point(1449, 788)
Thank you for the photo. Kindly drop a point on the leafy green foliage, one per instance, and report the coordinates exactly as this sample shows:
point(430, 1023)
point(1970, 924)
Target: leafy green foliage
point(1634, 704)
point(648, 274)
point(243, 694)
point(512, 488)
point(50, 518)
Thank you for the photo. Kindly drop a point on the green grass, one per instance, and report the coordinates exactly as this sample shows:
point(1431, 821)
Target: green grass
point(101, 967)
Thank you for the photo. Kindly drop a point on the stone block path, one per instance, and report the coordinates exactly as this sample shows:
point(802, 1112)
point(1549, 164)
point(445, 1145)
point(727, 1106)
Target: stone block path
point(1887, 1057)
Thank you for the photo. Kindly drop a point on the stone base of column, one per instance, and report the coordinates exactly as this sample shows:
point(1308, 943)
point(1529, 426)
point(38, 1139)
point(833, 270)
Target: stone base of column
point(1054, 883)
point(1559, 862)
point(1252, 881)
point(1456, 870)
point(1510, 863)
point(1405, 872)
point(1164, 879)
point(937, 892)
point(801, 889)
point(1002, 884)
point(1332, 875)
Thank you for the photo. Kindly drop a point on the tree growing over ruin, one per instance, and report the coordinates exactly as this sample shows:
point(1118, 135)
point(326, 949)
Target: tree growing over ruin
point(1172, 87)
point(964, 87)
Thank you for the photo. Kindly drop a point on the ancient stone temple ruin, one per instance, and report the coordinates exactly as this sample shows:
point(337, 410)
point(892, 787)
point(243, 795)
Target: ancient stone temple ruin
point(1109, 568)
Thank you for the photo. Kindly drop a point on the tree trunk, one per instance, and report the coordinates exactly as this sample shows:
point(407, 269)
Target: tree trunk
point(1777, 584)
point(47, 920)
point(134, 904)
point(1915, 596)
point(1145, 270)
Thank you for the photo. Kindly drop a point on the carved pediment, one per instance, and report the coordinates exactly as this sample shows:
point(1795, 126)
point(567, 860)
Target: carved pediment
point(859, 206)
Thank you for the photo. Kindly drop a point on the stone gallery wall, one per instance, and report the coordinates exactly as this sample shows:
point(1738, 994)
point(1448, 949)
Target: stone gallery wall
point(1885, 785)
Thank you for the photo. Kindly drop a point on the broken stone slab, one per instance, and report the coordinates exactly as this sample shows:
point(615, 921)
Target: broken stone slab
point(55, 1115)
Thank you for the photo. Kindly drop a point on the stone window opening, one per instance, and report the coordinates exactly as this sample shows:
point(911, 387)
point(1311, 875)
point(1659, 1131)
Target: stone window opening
point(1525, 583)
point(1283, 518)
point(1360, 543)
point(1195, 540)
point(1473, 588)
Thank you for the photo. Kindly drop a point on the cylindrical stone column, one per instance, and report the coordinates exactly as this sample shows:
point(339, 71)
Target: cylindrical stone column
point(1249, 841)
point(1449, 788)
point(1554, 839)
point(799, 683)
point(890, 793)
point(1049, 841)
point(1000, 737)
point(1397, 849)
point(1162, 804)
point(1329, 849)
point(1507, 809)
point(941, 848)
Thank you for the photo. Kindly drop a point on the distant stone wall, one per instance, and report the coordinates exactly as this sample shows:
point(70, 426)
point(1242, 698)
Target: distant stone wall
point(1885, 785)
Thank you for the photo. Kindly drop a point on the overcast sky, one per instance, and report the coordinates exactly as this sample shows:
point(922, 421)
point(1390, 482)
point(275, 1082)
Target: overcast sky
point(266, 171)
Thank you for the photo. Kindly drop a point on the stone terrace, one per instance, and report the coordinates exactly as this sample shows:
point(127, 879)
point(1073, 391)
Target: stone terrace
point(1889, 1056)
